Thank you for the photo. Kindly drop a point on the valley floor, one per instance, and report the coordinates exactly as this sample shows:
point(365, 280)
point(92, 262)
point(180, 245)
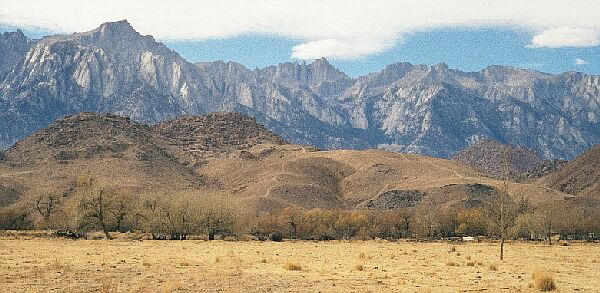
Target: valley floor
point(50, 264)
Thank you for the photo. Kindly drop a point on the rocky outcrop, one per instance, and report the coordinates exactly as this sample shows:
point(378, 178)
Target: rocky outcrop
point(394, 199)
point(199, 136)
point(500, 160)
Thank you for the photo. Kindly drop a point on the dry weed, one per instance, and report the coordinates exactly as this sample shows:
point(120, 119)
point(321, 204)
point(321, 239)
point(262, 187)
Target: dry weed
point(543, 281)
point(291, 266)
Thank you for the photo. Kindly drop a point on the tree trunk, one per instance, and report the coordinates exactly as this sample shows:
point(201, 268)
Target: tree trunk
point(105, 230)
point(502, 248)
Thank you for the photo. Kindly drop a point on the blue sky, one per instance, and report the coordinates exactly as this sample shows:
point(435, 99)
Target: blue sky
point(465, 49)
point(357, 36)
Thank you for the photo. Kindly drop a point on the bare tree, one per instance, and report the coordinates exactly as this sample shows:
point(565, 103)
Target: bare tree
point(547, 215)
point(178, 217)
point(94, 206)
point(427, 218)
point(101, 207)
point(46, 205)
point(121, 209)
point(407, 216)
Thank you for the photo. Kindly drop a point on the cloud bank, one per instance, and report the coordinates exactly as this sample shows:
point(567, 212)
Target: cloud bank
point(344, 29)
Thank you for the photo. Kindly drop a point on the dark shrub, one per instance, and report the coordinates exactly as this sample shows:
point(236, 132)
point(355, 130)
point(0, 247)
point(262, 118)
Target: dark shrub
point(277, 237)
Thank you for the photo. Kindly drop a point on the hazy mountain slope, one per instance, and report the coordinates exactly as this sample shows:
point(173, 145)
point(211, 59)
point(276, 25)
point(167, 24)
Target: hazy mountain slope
point(438, 111)
point(410, 108)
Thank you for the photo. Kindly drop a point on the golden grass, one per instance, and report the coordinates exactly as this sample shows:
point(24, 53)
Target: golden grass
point(292, 266)
point(45, 265)
point(543, 281)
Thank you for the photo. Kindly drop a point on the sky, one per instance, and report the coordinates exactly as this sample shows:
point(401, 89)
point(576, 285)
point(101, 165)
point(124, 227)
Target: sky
point(356, 36)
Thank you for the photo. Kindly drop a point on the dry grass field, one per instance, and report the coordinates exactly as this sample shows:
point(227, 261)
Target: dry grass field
point(61, 265)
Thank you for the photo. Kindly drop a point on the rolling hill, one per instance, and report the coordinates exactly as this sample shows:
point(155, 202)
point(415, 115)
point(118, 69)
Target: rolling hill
point(232, 154)
point(580, 176)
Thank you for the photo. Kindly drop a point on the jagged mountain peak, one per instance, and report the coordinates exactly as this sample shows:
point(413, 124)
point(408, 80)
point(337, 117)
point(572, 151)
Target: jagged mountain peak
point(13, 46)
point(440, 67)
point(321, 62)
point(114, 38)
point(313, 74)
point(17, 34)
point(121, 25)
point(118, 30)
point(323, 68)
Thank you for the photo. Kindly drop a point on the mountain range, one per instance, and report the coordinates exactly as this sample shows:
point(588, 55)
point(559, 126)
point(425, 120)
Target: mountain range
point(431, 110)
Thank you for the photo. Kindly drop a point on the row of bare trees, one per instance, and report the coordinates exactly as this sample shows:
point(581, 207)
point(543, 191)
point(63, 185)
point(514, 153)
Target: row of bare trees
point(517, 220)
point(95, 207)
point(176, 216)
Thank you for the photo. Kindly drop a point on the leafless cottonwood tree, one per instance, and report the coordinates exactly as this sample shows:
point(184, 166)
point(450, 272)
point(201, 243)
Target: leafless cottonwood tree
point(427, 218)
point(94, 207)
point(46, 205)
point(102, 207)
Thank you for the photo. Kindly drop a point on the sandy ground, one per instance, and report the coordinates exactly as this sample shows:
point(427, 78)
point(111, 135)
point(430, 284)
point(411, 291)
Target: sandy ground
point(61, 265)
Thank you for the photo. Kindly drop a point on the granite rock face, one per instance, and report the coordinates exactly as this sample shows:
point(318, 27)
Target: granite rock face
point(431, 110)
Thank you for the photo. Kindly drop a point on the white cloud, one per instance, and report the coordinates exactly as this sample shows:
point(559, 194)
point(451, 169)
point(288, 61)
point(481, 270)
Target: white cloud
point(332, 28)
point(579, 62)
point(339, 49)
point(567, 37)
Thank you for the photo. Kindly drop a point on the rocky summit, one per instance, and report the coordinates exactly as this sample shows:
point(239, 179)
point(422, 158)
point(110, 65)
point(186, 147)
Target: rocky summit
point(89, 136)
point(432, 110)
point(199, 136)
